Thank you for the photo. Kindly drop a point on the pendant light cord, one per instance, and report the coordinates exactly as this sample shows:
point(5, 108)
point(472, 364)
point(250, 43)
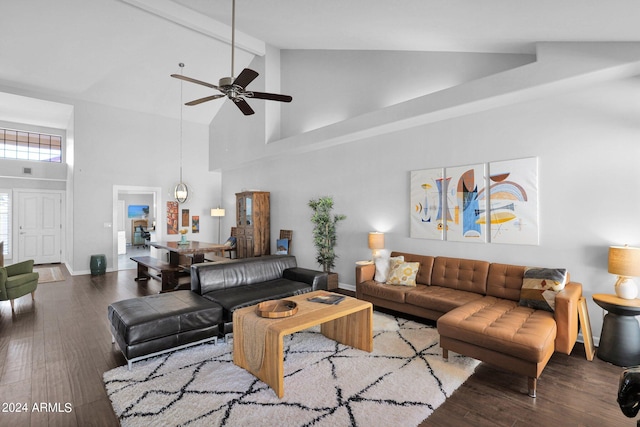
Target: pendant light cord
point(181, 108)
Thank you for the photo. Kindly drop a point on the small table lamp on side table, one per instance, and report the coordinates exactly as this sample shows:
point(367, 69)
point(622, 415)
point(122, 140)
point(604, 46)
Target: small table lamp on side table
point(376, 242)
point(625, 262)
point(620, 336)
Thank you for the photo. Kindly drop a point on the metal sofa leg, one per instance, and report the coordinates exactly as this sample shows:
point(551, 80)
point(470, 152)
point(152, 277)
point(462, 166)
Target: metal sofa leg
point(532, 386)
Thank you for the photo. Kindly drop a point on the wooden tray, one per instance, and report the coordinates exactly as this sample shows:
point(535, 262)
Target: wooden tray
point(277, 308)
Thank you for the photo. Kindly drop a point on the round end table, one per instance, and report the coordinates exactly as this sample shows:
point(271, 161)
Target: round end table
point(620, 336)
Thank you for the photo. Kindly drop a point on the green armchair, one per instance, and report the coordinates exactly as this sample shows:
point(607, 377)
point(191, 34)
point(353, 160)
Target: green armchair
point(18, 280)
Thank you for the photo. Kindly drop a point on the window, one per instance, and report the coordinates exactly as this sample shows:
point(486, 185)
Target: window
point(25, 145)
point(5, 221)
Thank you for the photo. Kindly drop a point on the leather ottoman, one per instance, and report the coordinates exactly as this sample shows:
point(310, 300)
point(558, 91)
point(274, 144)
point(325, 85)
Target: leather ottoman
point(151, 325)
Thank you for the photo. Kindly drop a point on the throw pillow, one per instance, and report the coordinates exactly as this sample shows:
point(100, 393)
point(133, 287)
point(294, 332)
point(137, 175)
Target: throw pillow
point(383, 266)
point(404, 274)
point(540, 286)
point(231, 242)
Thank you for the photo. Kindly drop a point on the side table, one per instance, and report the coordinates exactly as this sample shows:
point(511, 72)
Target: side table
point(620, 336)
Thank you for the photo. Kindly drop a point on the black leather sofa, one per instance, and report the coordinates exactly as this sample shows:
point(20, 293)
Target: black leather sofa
point(155, 324)
point(245, 282)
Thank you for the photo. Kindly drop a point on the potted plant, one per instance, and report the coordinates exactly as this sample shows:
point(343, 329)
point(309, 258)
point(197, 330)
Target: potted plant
point(324, 235)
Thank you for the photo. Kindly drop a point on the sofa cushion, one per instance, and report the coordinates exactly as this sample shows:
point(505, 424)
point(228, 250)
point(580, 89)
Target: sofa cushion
point(503, 326)
point(439, 298)
point(387, 292)
point(208, 277)
point(463, 274)
point(426, 266)
point(540, 287)
point(21, 279)
point(246, 295)
point(505, 281)
point(384, 266)
point(403, 273)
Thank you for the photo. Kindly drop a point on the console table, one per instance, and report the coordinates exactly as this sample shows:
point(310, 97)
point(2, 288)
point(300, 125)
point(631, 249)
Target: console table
point(620, 336)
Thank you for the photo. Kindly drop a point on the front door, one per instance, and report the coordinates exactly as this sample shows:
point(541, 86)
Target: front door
point(40, 227)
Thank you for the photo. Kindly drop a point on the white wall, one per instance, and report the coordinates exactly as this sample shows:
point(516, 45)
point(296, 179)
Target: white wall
point(586, 141)
point(117, 147)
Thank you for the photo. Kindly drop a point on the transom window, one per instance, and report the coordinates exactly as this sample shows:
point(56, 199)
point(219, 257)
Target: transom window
point(25, 145)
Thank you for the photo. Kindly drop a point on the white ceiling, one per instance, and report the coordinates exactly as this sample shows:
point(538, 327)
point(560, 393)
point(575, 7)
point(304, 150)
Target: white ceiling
point(112, 52)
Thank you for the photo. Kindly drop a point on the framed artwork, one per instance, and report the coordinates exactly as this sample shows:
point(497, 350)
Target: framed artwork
point(172, 217)
point(513, 194)
point(428, 214)
point(185, 218)
point(195, 224)
point(282, 247)
point(138, 211)
point(466, 204)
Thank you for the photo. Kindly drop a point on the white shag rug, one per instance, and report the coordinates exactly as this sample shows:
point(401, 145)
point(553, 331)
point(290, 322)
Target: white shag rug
point(326, 383)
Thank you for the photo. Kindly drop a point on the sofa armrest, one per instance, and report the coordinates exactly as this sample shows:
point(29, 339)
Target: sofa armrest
point(317, 279)
point(3, 284)
point(566, 315)
point(23, 267)
point(365, 272)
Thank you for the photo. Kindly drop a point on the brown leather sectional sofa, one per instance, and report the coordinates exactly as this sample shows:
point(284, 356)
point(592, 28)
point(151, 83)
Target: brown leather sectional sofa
point(476, 306)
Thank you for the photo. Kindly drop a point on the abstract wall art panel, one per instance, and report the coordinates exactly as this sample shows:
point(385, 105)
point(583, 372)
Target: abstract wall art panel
point(513, 193)
point(427, 211)
point(466, 204)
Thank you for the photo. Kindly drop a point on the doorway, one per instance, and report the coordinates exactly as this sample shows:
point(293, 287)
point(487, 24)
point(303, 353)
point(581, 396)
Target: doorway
point(120, 219)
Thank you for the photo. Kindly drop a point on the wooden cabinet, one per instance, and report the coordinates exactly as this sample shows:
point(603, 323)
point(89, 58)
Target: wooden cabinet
point(253, 224)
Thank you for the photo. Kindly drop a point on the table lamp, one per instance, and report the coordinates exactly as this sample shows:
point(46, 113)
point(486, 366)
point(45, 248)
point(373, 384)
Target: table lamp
point(218, 212)
point(625, 262)
point(376, 242)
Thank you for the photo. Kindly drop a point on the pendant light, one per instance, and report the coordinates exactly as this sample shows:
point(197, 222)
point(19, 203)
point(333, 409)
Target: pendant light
point(181, 191)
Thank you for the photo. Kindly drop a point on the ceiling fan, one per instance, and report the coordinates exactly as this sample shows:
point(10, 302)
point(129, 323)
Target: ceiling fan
point(234, 88)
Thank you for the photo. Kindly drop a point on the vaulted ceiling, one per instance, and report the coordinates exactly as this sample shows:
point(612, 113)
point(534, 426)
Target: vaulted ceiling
point(121, 52)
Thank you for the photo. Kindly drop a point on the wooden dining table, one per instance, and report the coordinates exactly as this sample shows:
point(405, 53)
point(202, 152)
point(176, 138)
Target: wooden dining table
point(191, 248)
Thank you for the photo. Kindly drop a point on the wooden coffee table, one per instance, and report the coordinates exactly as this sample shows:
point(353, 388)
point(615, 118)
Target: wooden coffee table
point(258, 341)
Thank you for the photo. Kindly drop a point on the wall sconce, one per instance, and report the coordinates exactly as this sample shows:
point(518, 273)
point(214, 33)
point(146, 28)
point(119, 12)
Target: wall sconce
point(376, 242)
point(625, 262)
point(218, 212)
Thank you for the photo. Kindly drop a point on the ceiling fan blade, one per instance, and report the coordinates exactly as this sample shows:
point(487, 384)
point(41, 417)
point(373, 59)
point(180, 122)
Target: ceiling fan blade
point(243, 106)
point(199, 82)
point(246, 76)
point(205, 99)
point(270, 96)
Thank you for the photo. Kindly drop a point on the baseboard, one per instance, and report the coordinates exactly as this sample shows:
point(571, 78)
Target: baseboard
point(346, 287)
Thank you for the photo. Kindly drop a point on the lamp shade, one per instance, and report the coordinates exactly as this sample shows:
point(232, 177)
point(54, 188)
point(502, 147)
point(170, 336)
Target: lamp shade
point(624, 261)
point(217, 212)
point(376, 240)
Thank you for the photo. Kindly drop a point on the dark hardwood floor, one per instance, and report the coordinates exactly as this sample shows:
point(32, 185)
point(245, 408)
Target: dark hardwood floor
point(54, 353)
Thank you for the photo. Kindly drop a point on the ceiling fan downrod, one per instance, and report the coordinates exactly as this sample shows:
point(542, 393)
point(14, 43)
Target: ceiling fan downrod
point(233, 37)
